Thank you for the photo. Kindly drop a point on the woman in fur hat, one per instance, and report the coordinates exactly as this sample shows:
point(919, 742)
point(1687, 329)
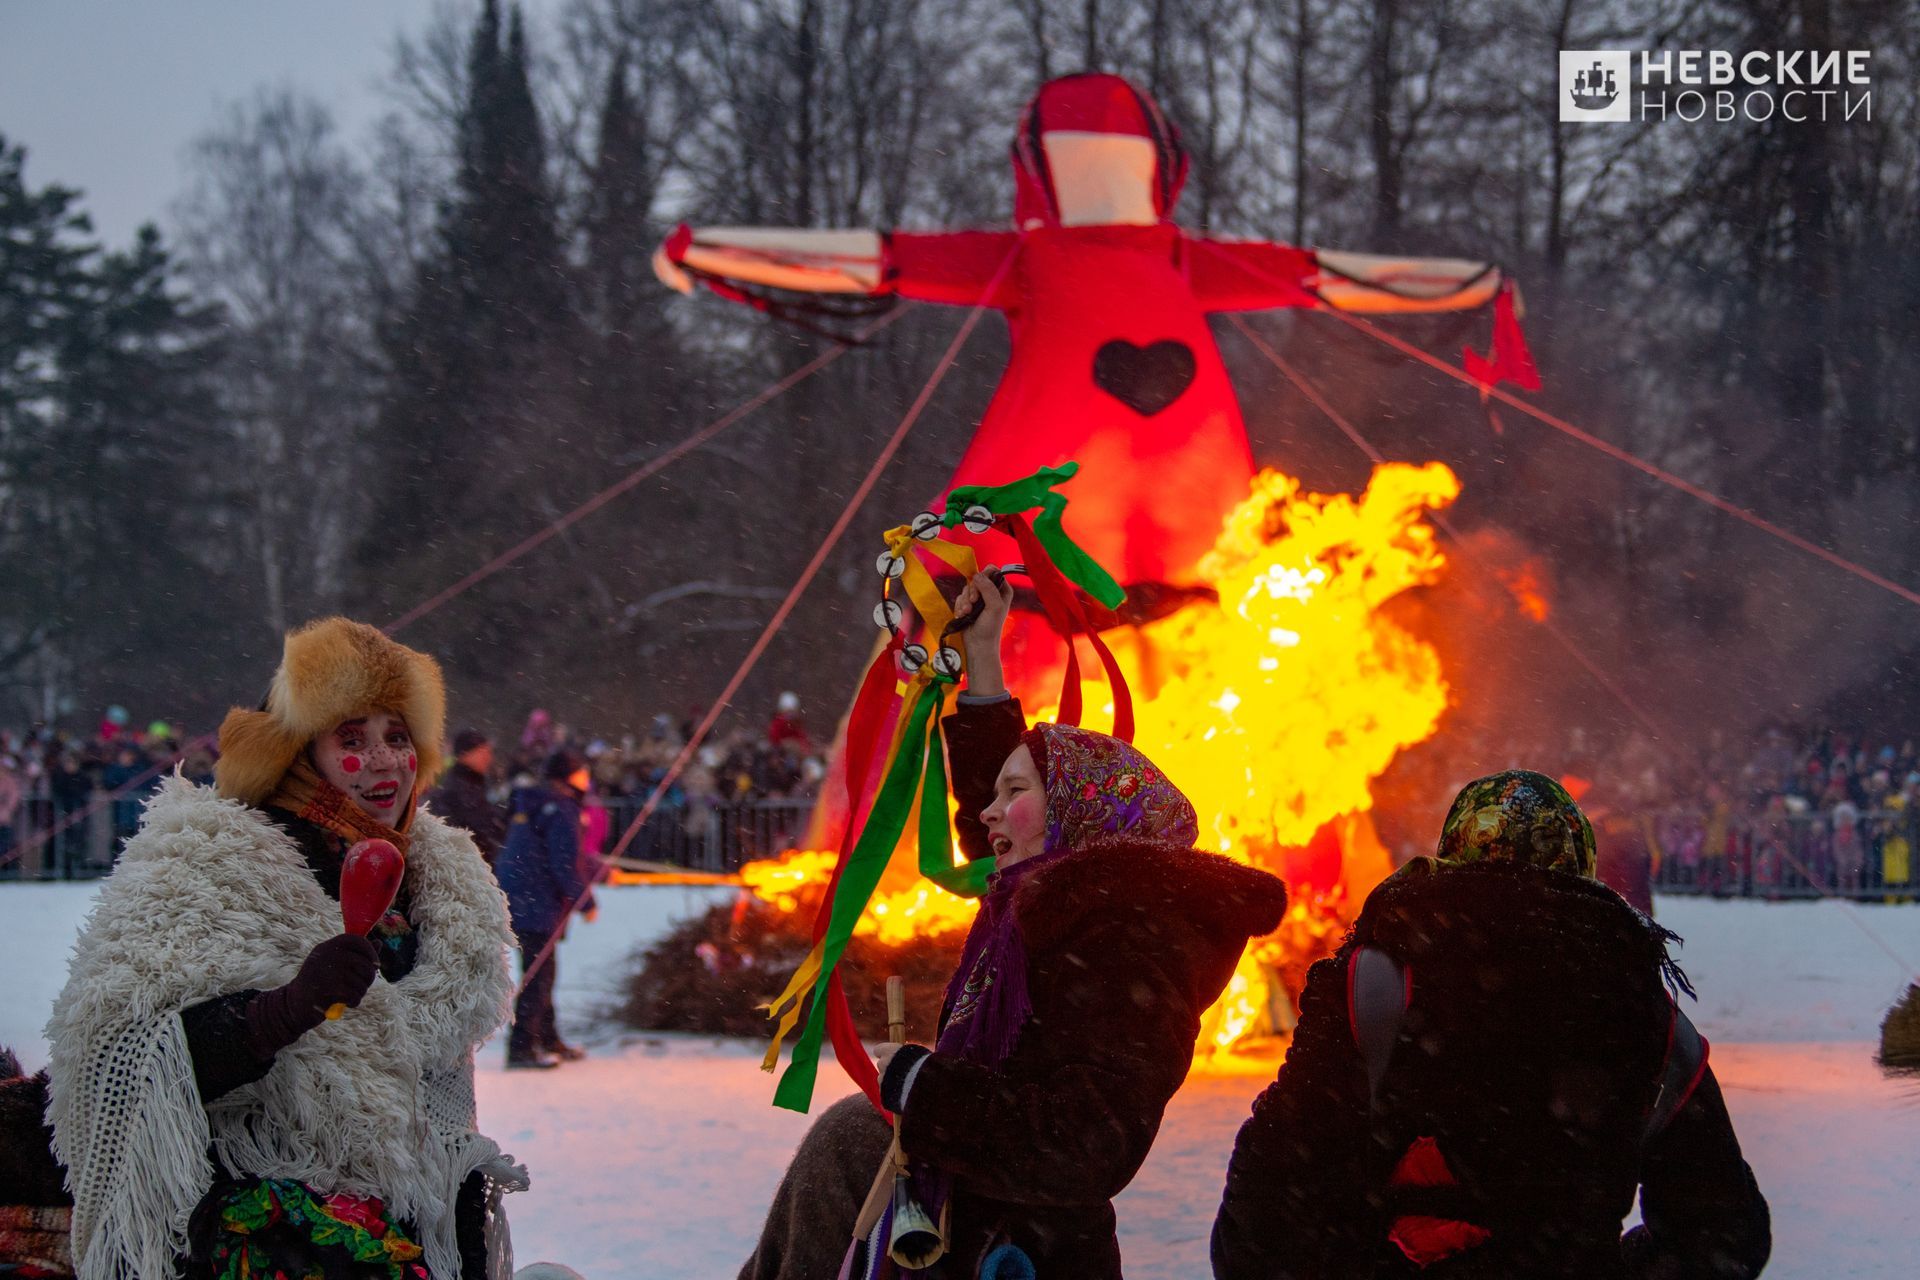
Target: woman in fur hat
point(1069, 1022)
point(214, 1122)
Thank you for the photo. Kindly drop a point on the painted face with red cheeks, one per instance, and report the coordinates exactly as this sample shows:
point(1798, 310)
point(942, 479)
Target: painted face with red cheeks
point(1016, 821)
point(372, 760)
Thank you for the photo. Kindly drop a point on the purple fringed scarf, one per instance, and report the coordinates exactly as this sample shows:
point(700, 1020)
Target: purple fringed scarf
point(1096, 785)
point(987, 1004)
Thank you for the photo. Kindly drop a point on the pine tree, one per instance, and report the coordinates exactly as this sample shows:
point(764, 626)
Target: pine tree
point(620, 233)
point(109, 447)
point(483, 367)
point(633, 381)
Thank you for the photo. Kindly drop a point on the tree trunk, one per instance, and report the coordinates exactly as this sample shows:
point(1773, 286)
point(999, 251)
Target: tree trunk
point(1383, 84)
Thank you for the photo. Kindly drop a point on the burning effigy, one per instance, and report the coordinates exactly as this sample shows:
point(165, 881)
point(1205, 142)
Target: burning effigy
point(1274, 699)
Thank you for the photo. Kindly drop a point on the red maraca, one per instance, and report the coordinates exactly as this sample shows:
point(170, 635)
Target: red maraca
point(369, 879)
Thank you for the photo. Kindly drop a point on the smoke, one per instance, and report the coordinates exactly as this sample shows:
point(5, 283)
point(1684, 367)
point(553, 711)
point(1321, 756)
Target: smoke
point(1682, 633)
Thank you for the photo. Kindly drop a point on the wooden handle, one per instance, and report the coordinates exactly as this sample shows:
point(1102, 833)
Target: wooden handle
point(878, 1193)
point(896, 1162)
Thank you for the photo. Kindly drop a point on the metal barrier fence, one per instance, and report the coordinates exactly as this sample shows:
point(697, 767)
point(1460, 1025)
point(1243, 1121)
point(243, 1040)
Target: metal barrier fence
point(65, 839)
point(718, 839)
point(1790, 855)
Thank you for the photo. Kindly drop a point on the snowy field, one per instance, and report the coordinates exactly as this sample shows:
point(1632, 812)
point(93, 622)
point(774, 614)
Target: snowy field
point(656, 1157)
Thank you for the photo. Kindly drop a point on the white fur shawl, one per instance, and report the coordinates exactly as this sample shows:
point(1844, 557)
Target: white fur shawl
point(209, 898)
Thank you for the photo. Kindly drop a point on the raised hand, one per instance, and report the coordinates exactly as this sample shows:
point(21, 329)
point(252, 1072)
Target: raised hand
point(994, 594)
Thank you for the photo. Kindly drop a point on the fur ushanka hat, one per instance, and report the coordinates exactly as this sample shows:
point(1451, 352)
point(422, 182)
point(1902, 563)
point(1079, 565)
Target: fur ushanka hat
point(331, 670)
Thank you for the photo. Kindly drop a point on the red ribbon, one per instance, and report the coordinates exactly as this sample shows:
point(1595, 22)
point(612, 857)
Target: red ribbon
point(1508, 360)
point(864, 726)
point(1061, 603)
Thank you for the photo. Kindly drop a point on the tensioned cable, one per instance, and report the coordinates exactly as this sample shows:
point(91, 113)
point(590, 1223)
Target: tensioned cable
point(1579, 655)
point(1638, 463)
point(1444, 523)
point(645, 470)
point(780, 615)
point(1560, 424)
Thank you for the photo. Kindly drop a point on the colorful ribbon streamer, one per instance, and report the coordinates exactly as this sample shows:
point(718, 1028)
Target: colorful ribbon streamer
point(814, 1000)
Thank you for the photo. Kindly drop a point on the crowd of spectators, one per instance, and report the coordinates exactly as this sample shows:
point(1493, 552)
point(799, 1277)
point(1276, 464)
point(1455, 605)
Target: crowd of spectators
point(746, 785)
point(1780, 811)
point(779, 762)
point(50, 778)
point(1787, 812)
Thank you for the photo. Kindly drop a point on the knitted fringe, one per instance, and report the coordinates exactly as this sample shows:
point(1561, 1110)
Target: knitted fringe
point(145, 1162)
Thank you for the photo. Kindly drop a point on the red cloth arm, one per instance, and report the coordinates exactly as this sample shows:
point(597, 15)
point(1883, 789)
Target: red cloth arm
point(1248, 275)
point(954, 267)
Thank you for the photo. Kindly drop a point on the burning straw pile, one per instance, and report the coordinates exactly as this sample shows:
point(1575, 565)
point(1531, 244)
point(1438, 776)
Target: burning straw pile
point(1900, 1033)
point(717, 972)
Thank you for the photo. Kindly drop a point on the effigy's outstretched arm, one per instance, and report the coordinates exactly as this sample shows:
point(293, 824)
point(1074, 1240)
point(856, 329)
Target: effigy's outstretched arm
point(796, 259)
point(1254, 275)
point(947, 266)
point(1380, 282)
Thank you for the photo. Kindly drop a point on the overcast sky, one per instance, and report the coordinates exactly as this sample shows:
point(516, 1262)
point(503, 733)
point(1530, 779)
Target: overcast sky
point(107, 94)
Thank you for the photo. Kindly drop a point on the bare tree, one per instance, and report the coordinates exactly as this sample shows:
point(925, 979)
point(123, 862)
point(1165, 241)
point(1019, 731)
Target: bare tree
point(275, 228)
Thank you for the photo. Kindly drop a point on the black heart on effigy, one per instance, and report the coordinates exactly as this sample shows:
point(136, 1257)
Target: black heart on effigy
point(1145, 379)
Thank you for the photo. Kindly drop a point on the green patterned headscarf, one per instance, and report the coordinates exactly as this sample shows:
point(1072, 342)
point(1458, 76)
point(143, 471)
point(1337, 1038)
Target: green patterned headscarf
point(1518, 816)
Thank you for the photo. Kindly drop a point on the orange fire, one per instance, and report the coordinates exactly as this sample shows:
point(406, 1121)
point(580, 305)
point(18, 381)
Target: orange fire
point(1274, 709)
point(922, 909)
point(1522, 582)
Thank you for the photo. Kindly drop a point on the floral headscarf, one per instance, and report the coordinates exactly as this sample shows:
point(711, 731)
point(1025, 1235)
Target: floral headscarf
point(1098, 785)
point(1518, 816)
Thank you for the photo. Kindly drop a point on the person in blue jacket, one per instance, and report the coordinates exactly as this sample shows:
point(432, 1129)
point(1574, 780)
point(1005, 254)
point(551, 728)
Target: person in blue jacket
point(540, 869)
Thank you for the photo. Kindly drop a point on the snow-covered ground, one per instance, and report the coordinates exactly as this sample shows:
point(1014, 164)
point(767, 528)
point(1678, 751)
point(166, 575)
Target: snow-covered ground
point(656, 1157)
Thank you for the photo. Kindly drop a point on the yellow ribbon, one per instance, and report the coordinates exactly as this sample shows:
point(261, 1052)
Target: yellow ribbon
point(935, 614)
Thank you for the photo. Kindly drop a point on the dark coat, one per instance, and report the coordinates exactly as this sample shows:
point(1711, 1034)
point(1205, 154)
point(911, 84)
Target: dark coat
point(1530, 1051)
point(539, 864)
point(1625, 861)
point(461, 798)
point(1128, 942)
point(29, 1175)
point(34, 1217)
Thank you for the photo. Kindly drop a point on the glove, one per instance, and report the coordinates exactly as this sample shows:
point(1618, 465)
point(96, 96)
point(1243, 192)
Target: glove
point(338, 971)
point(897, 1076)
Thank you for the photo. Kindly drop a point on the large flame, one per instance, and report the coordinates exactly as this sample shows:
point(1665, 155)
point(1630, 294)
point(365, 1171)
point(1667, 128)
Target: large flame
point(796, 880)
point(1274, 709)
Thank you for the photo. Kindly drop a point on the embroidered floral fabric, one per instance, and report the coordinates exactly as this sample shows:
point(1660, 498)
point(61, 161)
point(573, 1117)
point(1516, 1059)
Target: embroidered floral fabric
point(1098, 785)
point(1518, 816)
point(277, 1229)
point(391, 932)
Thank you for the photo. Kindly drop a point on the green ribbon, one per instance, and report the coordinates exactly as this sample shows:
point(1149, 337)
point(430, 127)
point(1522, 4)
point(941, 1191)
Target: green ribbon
point(865, 865)
point(969, 880)
point(1037, 490)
